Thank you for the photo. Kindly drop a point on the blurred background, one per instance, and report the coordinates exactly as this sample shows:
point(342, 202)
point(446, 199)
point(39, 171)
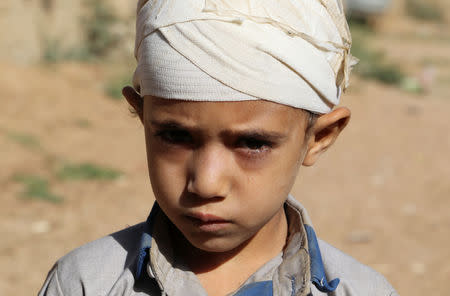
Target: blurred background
point(72, 158)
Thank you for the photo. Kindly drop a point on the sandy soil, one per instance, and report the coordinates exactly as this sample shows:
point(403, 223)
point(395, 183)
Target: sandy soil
point(381, 194)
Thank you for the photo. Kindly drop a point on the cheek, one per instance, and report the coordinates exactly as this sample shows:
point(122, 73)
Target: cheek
point(279, 175)
point(268, 187)
point(166, 171)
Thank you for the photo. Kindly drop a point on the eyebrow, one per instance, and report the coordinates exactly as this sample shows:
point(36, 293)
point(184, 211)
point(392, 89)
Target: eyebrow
point(256, 134)
point(250, 133)
point(171, 124)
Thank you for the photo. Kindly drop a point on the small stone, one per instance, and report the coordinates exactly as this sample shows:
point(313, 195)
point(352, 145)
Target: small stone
point(40, 227)
point(409, 209)
point(413, 110)
point(418, 268)
point(360, 237)
point(122, 182)
point(377, 180)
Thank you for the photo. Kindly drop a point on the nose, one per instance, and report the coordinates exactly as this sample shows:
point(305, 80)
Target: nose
point(209, 173)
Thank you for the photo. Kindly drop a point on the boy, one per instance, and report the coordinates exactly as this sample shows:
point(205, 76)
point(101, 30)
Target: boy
point(234, 97)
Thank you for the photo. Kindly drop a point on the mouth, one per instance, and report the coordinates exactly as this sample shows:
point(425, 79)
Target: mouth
point(208, 222)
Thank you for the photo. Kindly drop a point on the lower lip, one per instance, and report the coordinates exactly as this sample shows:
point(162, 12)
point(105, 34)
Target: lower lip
point(210, 226)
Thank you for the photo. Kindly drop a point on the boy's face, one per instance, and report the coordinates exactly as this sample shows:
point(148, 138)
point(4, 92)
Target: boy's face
point(221, 171)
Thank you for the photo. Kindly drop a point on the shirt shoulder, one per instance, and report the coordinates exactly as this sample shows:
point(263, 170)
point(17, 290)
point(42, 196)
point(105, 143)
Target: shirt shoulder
point(94, 268)
point(355, 277)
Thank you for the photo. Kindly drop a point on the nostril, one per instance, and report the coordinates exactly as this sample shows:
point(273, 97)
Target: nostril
point(206, 189)
point(192, 200)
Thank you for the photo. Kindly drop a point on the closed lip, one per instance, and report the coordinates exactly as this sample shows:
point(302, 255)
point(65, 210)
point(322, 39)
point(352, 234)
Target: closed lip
point(206, 218)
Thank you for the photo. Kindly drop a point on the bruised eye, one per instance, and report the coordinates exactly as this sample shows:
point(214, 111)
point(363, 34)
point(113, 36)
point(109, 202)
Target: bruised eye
point(175, 136)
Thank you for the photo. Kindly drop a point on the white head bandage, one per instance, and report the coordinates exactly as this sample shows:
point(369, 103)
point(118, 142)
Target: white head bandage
point(292, 52)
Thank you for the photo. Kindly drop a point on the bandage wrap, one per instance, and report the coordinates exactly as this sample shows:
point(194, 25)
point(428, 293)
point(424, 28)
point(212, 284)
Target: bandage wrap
point(291, 52)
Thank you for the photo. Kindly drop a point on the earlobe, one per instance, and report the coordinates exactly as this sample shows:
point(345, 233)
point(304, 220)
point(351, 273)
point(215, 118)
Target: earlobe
point(135, 101)
point(324, 133)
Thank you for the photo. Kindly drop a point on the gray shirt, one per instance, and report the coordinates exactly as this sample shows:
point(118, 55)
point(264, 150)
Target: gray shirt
point(139, 260)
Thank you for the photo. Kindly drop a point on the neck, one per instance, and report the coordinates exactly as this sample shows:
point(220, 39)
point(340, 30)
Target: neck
point(267, 243)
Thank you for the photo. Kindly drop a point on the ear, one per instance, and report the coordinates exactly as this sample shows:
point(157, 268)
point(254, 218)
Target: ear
point(324, 132)
point(135, 101)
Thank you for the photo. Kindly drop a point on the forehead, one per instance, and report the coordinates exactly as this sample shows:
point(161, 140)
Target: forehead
point(241, 114)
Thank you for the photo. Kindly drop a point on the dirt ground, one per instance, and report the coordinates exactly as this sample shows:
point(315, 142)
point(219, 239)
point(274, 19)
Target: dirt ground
point(381, 194)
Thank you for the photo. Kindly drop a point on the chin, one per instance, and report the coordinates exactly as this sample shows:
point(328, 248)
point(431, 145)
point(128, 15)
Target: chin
point(216, 245)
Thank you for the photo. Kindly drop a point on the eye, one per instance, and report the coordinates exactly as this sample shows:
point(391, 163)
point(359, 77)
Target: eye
point(175, 136)
point(253, 144)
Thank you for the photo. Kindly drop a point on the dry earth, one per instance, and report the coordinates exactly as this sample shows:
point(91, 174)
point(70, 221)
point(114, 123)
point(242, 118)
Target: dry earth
point(381, 194)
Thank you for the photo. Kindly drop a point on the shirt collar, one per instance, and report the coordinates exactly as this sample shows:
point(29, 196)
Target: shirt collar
point(317, 269)
point(146, 240)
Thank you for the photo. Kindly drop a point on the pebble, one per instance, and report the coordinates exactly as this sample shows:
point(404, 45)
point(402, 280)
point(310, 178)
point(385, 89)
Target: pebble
point(40, 227)
point(418, 268)
point(122, 182)
point(409, 209)
point(359, 237)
